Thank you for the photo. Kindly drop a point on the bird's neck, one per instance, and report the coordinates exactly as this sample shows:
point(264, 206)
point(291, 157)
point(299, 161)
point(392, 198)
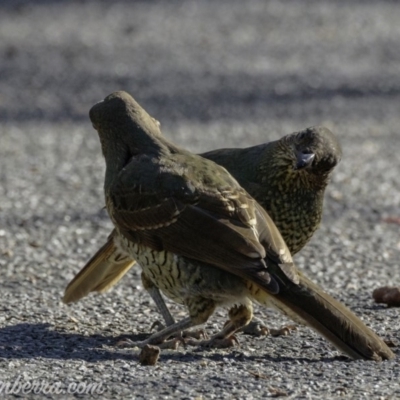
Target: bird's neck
point(116, 156)
point(241, 163)
point(118, 153)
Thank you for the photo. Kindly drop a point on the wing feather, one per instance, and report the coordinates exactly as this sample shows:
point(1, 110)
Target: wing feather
point(157, 204)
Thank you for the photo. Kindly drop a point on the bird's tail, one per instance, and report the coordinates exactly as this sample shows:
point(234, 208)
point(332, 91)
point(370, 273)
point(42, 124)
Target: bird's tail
point(100, 273)
point(307, 303)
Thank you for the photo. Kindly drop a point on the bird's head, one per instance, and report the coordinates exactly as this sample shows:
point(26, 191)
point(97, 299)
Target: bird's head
point(120, 119)
point(314, 150)
point(303, 159)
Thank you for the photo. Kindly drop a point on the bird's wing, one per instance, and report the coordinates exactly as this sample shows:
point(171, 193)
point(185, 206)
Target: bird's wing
point(207, 217)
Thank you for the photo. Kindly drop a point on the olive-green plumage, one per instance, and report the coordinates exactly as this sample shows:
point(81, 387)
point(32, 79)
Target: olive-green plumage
point(202, 239)
point(288, 178)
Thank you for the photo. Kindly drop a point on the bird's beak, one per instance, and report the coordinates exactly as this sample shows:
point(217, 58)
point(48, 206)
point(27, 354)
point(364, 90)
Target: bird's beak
point(304, 160)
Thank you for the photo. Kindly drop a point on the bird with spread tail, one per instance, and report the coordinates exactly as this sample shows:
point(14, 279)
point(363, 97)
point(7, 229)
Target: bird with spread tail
point(203, 240)
point(287, 177)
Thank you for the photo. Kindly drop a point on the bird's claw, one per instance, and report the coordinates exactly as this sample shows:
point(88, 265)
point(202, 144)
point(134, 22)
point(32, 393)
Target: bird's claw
point(255, 328)
point(158, 325)
point(171, 344)
point(283, 331)
point(216, 342)
point(194, 333)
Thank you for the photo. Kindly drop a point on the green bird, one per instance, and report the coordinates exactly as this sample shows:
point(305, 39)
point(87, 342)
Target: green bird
point(203, 240)
point(287, 177)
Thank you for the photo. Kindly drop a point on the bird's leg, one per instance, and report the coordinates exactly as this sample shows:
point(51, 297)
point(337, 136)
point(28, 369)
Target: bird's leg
point(239, 316)
point(160, 338)
point(155, 294)
point(200, 309)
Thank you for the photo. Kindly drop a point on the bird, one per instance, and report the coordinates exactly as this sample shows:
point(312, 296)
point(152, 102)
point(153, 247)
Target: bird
point(287, 177)
point(203, 240)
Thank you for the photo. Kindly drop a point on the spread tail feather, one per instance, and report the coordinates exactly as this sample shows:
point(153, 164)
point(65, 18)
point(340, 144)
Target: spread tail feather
point(100, 273)
point(309, 304)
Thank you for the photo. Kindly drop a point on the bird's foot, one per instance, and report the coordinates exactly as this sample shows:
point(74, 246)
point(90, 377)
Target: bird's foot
point(216, 342)
point(255, 328)
point(283, 331)
point(157, 325)
point(171, 344)
point(195, 334)
point(191, 334)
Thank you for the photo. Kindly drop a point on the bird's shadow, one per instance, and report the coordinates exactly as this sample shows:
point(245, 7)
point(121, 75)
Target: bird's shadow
point(29, 341)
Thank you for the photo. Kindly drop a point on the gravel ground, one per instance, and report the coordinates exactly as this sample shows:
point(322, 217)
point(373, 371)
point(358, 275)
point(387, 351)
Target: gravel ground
point(216, 74)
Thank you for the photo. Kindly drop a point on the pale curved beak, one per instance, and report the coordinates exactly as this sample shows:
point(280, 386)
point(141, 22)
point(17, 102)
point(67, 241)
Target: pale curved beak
point(304, 160)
